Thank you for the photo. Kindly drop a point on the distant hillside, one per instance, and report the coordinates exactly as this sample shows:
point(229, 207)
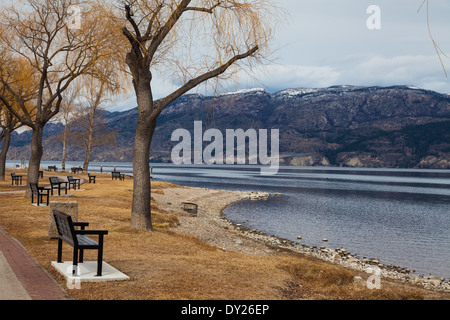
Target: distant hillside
point(395, 126)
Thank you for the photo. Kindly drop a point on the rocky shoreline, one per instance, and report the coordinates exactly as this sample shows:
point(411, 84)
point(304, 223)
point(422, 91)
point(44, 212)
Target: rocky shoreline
point(346, 259)
point(210, 224)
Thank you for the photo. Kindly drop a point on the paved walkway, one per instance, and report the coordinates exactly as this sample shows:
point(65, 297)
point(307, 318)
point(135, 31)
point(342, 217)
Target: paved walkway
point(21, 277)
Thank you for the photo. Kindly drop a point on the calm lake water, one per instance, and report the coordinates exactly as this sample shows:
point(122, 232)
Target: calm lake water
point(399, 216)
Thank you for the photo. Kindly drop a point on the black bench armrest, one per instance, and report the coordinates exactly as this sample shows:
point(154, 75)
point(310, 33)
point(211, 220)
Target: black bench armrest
point(81, 224)
point(99, 232)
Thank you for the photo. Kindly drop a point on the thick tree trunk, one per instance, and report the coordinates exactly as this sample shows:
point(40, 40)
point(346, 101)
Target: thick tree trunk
point(35, 157)
point(3, 153)
point(87, 158)
point(141, 209)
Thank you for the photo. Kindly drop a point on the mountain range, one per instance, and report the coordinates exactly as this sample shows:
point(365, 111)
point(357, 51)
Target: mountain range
point(352, 126)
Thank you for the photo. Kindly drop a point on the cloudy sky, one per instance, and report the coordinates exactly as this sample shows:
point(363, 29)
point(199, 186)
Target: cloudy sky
point(328, 42)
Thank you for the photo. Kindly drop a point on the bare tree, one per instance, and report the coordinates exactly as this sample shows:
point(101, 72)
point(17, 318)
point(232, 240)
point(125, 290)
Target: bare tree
point(89, 131)
point(96, 91)
point(438, 49)
point(65, 115)
point(58, 54)
point(190, 42)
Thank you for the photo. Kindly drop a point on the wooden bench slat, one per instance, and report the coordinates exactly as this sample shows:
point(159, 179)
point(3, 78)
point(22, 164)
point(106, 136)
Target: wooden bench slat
point(86, 241)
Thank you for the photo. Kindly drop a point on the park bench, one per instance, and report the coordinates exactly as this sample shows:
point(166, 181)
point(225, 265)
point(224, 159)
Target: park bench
point(56, 184)
point(41, 174)
point(91, 178)
point(117, 175)
point(16, 178)
point(38, 192)
point(73, 181)
point(50, 168)
point(75, 170)
point(77, 239)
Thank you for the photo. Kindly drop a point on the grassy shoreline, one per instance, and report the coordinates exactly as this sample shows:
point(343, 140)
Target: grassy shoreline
point(176, 261)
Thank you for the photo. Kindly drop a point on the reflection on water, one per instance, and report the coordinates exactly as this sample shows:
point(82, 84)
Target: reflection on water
point(400, 216)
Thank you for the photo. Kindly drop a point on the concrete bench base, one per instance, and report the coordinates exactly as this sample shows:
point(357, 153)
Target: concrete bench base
point(88, 270)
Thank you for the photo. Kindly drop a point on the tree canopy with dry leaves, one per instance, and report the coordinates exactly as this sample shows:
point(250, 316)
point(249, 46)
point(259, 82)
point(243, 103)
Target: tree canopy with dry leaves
point(16, 73)
point(40, 34)
point(188, 42)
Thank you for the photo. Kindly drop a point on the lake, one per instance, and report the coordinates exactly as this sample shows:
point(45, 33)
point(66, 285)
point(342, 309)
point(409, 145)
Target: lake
point(400, 216)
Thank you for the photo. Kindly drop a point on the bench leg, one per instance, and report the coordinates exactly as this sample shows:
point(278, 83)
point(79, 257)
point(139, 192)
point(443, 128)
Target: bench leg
point(59, 251)
point(99, 262)
point(75, 261)
point(80, 259)
point(100, 256)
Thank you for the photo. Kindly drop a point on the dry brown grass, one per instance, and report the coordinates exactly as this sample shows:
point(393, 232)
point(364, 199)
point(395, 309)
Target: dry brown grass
point(166, 265)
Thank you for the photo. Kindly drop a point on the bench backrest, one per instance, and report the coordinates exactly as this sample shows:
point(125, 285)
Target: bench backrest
point(53, 180)
point(70, 178)
point(65, 228)
point(13, 175)
point(115, 173)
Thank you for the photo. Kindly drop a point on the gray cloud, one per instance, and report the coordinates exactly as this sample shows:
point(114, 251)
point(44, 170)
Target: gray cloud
point(327, 42)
